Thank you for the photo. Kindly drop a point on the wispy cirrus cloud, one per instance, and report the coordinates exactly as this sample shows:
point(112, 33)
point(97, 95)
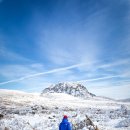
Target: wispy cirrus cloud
point(7, 55)
point(42, 73)
point(115, 63)
point(32, 71)
point(64, 45)
point(100, 78)
point(63, 48)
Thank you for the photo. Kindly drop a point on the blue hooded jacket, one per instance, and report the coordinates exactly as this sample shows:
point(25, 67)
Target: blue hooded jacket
point(65, 125)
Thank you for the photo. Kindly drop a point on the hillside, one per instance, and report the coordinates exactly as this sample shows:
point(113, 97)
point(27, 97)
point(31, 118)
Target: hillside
point(27, 111)
point(124, 100)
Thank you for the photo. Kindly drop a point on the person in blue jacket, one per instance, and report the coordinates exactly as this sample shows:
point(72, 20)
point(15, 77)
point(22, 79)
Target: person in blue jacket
point(65, 125)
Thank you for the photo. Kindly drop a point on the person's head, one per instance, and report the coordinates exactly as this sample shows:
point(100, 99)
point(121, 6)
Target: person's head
point(65, 117)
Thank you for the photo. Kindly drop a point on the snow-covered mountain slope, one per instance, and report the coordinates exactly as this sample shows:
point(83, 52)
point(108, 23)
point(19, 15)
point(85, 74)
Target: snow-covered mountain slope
point(124, 100)
point(74, 89)
point(25, 111)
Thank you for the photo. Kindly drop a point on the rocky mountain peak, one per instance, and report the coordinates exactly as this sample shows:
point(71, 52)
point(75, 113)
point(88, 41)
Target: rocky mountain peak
point(71, 88)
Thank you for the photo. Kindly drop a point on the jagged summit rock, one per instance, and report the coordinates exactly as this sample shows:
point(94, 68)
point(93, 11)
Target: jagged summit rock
point(71, 88)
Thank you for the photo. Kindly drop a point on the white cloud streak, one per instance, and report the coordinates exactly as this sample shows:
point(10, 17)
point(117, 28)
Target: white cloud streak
point(42, 73)
point(117, 63)
point(101, 78)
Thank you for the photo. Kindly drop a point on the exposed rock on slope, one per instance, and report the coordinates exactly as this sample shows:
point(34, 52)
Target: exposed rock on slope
point(74, 89)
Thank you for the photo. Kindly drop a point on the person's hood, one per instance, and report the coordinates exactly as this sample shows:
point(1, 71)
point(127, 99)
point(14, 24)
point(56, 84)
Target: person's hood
point(65, 120)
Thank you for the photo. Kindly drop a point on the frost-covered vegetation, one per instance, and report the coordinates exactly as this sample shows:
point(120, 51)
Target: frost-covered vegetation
point(23, 111)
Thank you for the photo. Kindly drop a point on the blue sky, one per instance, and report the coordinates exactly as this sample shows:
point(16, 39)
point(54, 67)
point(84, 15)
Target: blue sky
point(50, 41)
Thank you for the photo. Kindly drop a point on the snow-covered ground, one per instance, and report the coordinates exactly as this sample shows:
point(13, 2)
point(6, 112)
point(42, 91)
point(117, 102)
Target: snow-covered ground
point(26, 111)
